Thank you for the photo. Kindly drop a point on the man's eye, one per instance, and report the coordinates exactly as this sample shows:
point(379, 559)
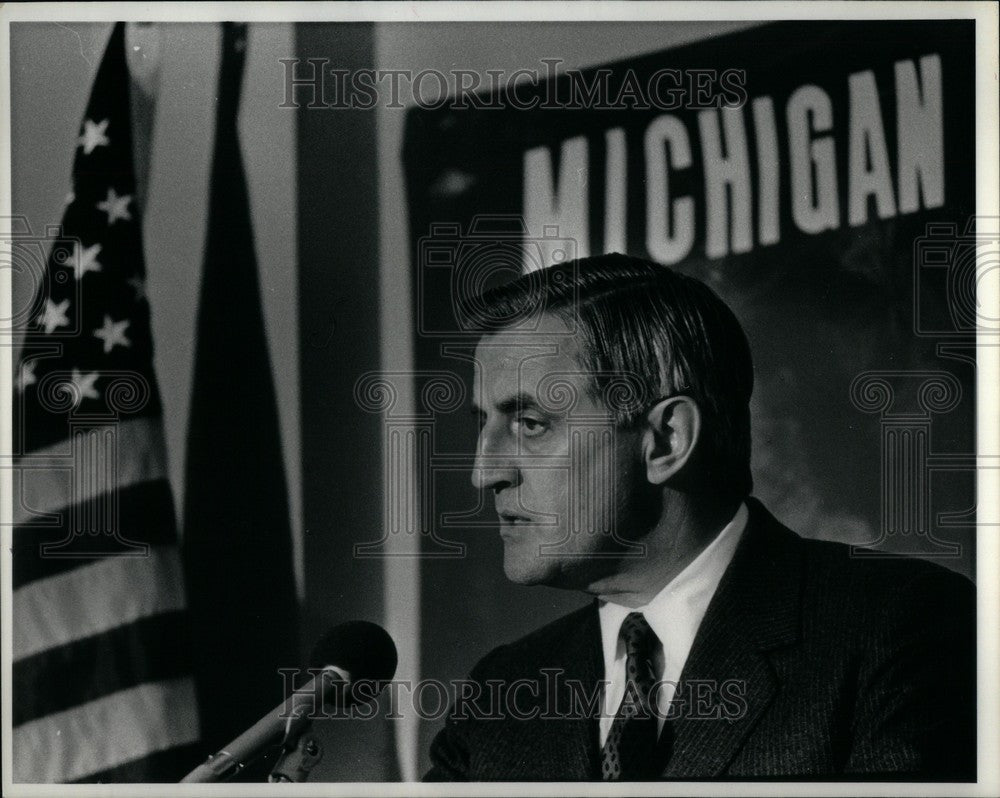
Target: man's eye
point(529, 427)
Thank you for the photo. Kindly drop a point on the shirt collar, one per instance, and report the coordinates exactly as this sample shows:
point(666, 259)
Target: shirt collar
point(675, 613)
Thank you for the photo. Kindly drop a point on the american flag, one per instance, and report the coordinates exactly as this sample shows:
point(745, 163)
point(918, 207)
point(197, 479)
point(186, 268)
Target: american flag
point(102, 687)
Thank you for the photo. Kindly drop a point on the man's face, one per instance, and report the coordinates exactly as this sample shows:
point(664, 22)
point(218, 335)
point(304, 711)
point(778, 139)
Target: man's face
point(567, 483)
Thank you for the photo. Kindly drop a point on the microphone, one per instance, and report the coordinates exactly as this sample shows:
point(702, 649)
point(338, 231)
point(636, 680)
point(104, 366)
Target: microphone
point(348, 653)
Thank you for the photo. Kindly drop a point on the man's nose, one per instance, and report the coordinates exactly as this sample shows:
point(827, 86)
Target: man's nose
point(495, 478)
point(493, 469)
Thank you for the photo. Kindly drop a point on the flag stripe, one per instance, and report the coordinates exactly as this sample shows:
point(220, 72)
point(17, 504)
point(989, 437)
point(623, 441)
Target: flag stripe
point(145, 515)
point(149, 650)
point(38, 428)
point(141, 458)
point(102, 734)
point(95, 598)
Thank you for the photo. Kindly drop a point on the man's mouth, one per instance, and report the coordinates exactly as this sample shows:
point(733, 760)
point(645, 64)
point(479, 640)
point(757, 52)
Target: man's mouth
point(513, 519)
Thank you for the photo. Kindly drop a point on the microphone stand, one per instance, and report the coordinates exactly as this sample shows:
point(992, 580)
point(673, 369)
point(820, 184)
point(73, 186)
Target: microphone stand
point(299, 755)
point(290, 720)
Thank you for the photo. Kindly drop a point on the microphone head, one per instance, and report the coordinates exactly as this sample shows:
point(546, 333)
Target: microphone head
point(363, 649)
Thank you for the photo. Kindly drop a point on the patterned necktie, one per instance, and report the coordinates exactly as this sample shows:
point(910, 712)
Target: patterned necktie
point(630, 751)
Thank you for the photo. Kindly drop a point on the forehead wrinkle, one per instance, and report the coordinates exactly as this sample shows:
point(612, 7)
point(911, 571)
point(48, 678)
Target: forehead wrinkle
point(515, 366)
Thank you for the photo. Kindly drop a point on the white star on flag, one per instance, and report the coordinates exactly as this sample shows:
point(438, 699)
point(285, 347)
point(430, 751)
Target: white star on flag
point(85, 259)
point(82, 386)
point(116, 207)
point(27, 376)
point(113, 333)
point(54, 316)
point(139, 286)
point(94, 135)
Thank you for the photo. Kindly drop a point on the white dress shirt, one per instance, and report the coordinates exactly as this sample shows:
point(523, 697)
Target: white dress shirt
point(674, 614)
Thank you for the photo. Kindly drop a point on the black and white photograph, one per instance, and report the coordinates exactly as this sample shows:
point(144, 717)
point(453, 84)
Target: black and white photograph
point(500, 398)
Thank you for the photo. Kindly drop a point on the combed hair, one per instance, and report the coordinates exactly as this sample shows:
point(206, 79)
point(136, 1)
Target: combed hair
point(642, 321)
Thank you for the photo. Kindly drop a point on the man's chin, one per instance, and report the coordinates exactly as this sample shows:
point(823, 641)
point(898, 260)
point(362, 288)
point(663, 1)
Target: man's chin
point(536, 570)
point(551, 562)
point(521, 573)
point(528, 567)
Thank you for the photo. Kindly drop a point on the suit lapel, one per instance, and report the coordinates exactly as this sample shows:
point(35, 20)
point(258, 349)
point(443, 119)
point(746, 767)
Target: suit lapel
point(579, 746)
point(754, 610)
point(564, 745)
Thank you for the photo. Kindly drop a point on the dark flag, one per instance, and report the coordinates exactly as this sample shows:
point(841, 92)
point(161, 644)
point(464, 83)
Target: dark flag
point(101, 683)
point(237, 531)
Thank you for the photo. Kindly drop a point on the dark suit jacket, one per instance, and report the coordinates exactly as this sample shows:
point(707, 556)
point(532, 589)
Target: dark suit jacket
point(810, 663)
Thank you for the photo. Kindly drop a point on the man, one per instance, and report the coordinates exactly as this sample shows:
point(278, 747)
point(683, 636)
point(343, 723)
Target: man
point(614, 401)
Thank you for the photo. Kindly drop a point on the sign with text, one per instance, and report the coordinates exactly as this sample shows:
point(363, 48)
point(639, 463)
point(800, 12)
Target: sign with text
point(820, 177)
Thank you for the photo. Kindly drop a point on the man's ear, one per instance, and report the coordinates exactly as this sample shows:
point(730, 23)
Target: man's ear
point(672, 432)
